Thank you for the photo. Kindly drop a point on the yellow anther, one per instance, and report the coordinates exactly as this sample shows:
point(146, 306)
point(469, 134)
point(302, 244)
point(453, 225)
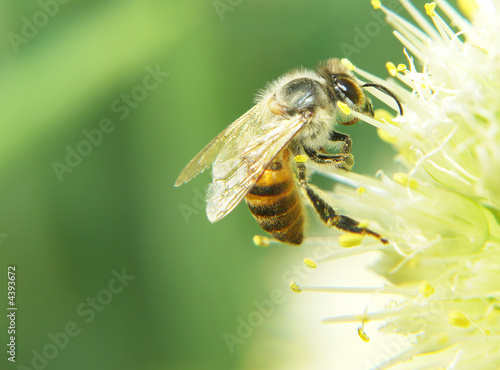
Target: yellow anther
point(347, 63)
point(442, 339)
point(401, 67)
point(361, 190)
point(383, 115)
point(376, 4)
point(363, 335)
point(295, 287)
point(457, 318)
point(310, 263)
point(426, 289)
point(261, 241)
point(363, 224)
point(391, 68)
point(387, 137)
point(403, 179)
point(429, 9)
point(350, 240)
point(300, 158)
point(344, 107)
point(468, 7)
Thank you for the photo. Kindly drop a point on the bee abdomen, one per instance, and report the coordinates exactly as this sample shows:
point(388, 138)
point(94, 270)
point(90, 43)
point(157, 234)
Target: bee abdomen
point(280, 212)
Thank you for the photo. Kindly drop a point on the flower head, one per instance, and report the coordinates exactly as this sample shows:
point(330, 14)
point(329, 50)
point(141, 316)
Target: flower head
point(441, 212)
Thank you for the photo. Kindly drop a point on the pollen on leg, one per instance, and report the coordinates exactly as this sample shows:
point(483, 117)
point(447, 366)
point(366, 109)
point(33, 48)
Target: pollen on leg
point(344, 107)
point(300, 158)
point(350, 240)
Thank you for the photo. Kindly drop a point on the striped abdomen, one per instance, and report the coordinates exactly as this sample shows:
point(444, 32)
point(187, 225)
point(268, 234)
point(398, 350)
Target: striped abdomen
point(275, 202)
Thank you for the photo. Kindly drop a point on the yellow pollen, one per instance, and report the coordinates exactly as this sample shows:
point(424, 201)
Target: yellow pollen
point(403, 179)
point(468, 7)
point(363, 335)
point(442, 339)
point(310, 263)
point(347, 63)
point(426, 289)
point(457, 318)
point(401, 67)
point(350, 240)
point(387, 137)
point(344, 107)
point(391, 68)
point(295, 287)
point(382, 114)
point(376, 4)
point(361, 190)
point(429, 9)
point(364, 224)
point(261, 241)
point(300, 158)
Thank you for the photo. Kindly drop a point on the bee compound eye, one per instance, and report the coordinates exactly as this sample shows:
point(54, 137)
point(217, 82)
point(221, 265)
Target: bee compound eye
point(349, 89)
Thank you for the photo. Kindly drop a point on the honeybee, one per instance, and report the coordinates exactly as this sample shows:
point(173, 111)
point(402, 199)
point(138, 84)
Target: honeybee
point(253, 158)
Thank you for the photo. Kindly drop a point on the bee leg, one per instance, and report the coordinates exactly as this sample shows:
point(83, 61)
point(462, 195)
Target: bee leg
point(327, 214)
point(346, 139)
point(343, 161)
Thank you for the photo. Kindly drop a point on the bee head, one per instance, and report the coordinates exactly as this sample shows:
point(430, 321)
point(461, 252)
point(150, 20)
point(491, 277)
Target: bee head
point(342, 86)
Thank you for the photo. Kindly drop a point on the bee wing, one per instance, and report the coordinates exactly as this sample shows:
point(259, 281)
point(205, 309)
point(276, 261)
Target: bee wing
point(219, 145)
point(242, 161)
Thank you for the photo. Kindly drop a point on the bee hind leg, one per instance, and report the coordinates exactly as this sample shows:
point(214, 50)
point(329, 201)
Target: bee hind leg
point(327, 214)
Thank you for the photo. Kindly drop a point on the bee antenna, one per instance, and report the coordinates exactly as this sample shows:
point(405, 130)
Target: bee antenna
point(388, 92)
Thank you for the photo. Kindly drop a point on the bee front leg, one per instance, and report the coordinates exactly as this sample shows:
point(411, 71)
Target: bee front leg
point(346, 139)
point(327, 214)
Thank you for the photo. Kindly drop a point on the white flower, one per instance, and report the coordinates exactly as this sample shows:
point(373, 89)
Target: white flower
point(441, 213)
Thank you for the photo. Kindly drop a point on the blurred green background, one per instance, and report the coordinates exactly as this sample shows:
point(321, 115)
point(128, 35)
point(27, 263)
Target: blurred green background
point(67, 226)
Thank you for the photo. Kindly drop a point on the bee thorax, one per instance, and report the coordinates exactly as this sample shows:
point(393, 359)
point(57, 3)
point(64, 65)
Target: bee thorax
point(315, 133)
point(301, 94)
